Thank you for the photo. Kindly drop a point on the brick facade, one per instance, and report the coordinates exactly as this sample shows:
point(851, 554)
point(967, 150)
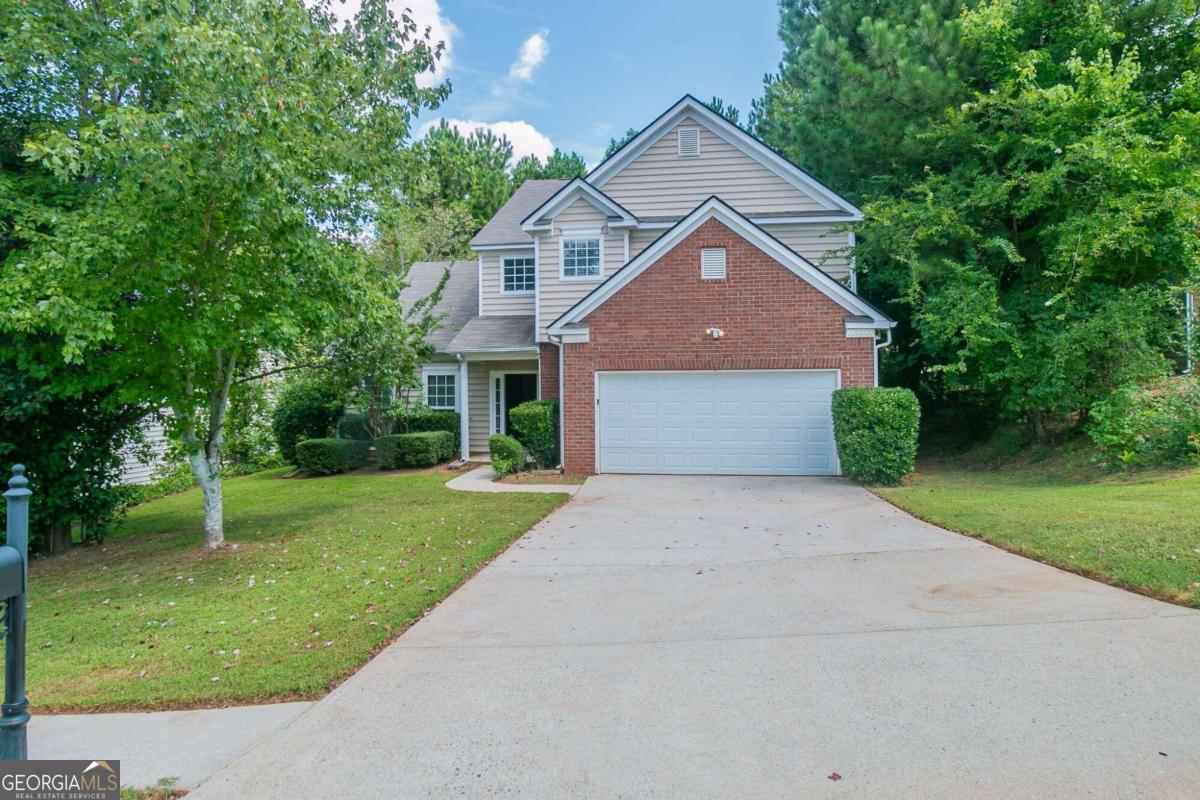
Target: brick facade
point(548, 356)
point(772, 319)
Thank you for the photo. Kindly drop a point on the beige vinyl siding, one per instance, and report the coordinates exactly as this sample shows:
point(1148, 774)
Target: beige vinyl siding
point(480, 424)
point(660, 183)
point(640, 240)
point(556, 295)
point(494, 300)
point(821, 243)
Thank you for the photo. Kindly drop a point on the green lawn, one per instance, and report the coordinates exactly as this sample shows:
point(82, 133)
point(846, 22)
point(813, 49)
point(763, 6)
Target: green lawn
point(1142, 533)
point(324, 573)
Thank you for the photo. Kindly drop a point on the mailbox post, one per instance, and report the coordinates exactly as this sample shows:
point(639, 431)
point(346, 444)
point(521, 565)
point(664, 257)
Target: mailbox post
point(14, 577)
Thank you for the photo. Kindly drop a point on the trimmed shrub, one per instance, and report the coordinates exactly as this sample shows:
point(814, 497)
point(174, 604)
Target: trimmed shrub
point(306, 409)
point(330, 456)
point(876, 433)
point(1155, 426)
point(353, 426)
point(423, 449)
point(535, 425)
point(508, 455)
point(419, 419)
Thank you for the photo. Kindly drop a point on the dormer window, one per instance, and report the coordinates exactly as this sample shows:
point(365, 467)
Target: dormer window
point(518, 275)
point(688, 142)
point(582, 257)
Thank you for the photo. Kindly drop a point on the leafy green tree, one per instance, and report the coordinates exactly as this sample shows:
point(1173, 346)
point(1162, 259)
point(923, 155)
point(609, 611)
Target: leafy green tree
point(558, 165)
point(616, 144)
point(1041, 255)
point(234, 154)
point(464, 172)
point(859, 82)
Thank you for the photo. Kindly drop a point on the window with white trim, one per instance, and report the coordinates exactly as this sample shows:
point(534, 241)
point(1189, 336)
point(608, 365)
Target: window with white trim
point(518, 275)
point(581, 255)
point(688, 142)
point(441, 389)
point(712, 263)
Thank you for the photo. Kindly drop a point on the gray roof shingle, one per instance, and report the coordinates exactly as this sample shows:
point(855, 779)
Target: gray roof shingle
point(495, 333)
point(460, 299)
point(505, 225)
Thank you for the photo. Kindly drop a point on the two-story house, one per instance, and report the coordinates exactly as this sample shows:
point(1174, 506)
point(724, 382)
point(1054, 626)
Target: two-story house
point(691, 303)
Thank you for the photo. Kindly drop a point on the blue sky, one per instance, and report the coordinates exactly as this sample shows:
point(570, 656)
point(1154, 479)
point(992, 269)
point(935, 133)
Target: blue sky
point(575, 74)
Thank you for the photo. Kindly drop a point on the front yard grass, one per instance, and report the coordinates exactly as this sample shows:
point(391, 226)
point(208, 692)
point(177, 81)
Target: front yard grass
point(324, 573)
point(1141, 533)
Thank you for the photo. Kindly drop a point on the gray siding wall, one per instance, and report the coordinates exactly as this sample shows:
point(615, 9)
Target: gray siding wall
point(138, 463)
point(494, 300)
point(557, 295)
point(823, 244)
point(660, 183)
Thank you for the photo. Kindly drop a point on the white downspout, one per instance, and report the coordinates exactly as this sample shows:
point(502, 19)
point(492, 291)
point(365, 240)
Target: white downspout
point(878, 347)
point(464, 410)
point(1189, 323)
point(561, 436)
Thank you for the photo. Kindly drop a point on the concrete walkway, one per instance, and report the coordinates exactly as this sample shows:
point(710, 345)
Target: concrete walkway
point(751, 638)
point(183, 746)
point(483, 479)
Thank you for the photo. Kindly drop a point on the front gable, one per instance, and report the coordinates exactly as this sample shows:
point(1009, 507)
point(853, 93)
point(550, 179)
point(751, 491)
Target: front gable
point(708, 219)
point(658, 174)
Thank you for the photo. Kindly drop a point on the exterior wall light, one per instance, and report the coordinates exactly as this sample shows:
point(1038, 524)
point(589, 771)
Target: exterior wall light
point(714, 332)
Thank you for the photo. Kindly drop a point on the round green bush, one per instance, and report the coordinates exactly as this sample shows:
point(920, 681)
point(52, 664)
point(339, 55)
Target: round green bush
point(422, 449)
point(535, 425)
point(876, 433)
point(508, 455)
point(306, 409)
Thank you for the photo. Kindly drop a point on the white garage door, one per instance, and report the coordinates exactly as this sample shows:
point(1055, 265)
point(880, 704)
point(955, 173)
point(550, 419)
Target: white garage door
point(773, 422)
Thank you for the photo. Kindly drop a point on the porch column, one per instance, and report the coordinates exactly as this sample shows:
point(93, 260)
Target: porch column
point(464, 410)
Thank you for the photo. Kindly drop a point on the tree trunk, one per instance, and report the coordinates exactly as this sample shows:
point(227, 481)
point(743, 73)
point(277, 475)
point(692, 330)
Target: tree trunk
point(208, 475)
point(58, 538)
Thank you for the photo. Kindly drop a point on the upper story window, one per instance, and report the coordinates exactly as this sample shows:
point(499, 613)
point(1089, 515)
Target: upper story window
point(581, 254)
point(518, 275)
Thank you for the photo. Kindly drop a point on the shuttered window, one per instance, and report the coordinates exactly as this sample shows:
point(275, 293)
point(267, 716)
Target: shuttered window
point(689, 142)
point(712, 263)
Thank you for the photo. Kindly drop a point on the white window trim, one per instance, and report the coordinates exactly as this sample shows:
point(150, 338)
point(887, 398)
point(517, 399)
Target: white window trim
point(532, 266)
point(442, 369)
point(574, 234)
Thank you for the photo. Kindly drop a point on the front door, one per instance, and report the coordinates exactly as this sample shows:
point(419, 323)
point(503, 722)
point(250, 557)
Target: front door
point(518, 388)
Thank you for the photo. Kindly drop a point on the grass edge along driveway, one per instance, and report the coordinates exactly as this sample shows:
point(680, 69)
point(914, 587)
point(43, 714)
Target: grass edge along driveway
point(1141, 534)
point(321, 573)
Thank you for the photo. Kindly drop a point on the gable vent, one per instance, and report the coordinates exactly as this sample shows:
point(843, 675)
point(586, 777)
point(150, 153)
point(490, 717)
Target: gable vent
point(712, 263)
point(689, 142)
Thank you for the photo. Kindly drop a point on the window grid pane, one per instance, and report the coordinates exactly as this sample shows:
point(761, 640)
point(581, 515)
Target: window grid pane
point(439, 391)
point(581, 258)
point(518, 275)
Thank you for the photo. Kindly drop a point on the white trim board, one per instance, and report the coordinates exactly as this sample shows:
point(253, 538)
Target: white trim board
point(715, 208)
point(719, 126)
point(564, 197)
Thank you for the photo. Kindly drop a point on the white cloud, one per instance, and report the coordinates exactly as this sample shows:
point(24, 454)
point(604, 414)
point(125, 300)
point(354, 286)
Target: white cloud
point(531, 55)
point(425, 13)
point(526, 139)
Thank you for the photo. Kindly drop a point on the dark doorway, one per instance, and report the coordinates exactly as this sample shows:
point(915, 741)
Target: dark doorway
point(518, 388)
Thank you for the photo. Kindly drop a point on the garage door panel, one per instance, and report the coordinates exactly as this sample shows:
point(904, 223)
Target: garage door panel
point(728, 422)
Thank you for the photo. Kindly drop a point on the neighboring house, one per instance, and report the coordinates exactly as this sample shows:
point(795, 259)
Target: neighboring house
point(140, 460)
point(691, 301)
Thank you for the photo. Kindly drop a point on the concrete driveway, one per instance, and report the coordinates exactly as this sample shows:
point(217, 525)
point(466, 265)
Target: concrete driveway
point(693, 637)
